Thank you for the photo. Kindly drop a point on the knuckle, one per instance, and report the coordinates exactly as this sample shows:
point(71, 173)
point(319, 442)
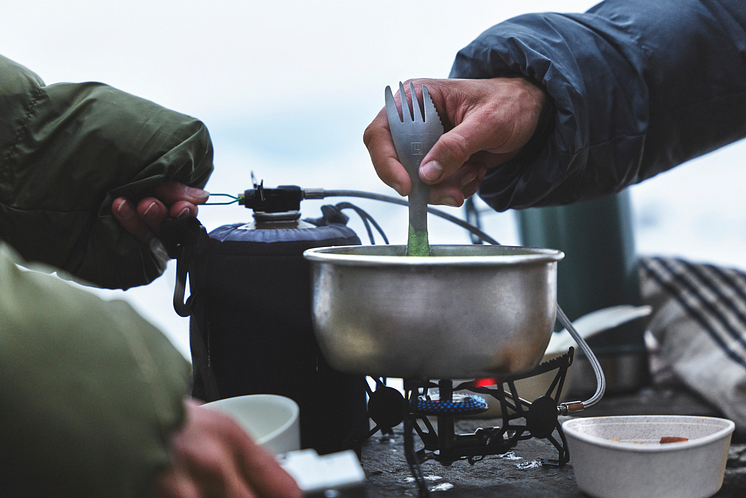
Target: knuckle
point(368, 135)
point(375, 133)
point(455, 148)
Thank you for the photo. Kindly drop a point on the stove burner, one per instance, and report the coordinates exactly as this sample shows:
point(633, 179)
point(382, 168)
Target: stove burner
point(461, 404)
point(521, 419)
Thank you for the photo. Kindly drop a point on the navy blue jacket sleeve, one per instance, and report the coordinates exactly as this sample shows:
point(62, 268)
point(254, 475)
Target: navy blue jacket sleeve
point(637, 87)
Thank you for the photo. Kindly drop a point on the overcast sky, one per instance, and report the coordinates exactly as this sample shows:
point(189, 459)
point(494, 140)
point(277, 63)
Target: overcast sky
point(284, 78)
point(287, 88)
point(225, 57)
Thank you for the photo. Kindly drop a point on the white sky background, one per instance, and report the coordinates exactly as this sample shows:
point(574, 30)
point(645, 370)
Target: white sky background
point(287, 88)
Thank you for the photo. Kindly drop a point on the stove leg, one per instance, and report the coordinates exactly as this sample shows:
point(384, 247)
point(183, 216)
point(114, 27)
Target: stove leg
point(412, 460)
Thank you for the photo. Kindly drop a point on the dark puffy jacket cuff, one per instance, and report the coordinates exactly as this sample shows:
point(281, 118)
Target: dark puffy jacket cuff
point(638, 87)
point(537, 47)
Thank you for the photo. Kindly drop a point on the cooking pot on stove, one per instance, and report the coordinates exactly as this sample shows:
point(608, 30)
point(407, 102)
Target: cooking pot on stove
point(467, 311)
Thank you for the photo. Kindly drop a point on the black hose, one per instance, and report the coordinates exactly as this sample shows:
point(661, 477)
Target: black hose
point(321, 193)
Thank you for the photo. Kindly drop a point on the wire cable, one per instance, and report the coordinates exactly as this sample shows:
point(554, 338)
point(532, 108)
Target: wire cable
point(321, 193)
point(226, 203)
point(367, 221)
point(317, 193)
point(597, 370)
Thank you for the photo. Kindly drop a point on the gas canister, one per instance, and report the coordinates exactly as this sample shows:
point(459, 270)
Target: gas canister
point(250, 325)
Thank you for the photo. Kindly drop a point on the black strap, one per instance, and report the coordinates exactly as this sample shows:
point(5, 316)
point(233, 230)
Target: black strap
point(185, 239)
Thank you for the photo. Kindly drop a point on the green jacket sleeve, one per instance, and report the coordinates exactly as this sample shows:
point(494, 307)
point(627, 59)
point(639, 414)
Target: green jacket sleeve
point(91, 392)
point(67, 151)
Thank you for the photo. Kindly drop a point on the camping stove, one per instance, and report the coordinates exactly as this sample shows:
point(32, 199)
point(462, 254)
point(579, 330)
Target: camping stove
point(429, 410)
point(465, 312)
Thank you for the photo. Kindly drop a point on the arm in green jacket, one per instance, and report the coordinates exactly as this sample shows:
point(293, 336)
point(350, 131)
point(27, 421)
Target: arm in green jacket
point(92, 393)
point(67, 151)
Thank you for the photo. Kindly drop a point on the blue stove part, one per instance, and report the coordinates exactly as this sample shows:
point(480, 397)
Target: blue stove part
point(460, 404)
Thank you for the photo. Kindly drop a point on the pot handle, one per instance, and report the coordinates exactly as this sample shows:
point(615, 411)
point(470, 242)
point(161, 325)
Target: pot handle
point(569, 407)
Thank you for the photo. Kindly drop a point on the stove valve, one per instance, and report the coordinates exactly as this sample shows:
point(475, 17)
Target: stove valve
point(570, 407)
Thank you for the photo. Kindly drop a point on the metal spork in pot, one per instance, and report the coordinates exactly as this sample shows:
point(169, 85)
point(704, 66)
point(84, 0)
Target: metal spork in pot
point(414, 134)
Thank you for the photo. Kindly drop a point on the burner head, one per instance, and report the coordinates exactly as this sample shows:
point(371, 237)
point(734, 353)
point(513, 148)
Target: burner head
point(460, 404)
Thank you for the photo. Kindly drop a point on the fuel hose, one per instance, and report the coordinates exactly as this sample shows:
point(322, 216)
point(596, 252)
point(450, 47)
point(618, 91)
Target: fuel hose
point(565, 408)
point(569, 407)
point(320, 193)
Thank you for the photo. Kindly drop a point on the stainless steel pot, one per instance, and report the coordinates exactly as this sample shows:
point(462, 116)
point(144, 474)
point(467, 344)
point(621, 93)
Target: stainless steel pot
point(468, 311)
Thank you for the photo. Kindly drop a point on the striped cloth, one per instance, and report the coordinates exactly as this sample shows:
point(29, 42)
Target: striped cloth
point(699, 321)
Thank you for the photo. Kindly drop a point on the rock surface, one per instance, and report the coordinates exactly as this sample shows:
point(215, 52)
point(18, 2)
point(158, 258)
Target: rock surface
point(519, 473)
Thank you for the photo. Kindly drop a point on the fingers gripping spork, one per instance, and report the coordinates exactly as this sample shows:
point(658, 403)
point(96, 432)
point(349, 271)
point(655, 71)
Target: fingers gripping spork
point(414, 134)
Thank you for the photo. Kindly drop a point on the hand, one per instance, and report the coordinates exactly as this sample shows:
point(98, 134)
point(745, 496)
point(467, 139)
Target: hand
point(214, 457)
point(171, 199)
point(487, 122)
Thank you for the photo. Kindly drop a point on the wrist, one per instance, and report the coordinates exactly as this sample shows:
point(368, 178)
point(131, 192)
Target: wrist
point(543, 109)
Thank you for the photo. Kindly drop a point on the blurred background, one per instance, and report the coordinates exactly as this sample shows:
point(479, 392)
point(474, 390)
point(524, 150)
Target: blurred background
point(287, 88)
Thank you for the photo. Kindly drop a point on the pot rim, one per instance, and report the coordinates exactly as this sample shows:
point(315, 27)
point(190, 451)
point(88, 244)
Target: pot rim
point(394, 255)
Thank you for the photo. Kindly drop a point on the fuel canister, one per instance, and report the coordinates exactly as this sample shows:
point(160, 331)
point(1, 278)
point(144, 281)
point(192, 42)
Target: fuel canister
point(251, 329)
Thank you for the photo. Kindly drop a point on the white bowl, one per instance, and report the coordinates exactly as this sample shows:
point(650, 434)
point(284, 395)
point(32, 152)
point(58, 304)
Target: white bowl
point(271, 420)
point(620, 457)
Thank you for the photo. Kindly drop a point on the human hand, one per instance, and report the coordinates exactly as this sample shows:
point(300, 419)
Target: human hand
point(487, 123)
point(169, 200)
point(214, 457)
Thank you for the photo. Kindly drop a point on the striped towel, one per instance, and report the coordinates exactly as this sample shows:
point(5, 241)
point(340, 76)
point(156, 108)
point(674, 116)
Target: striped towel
point(699, 321)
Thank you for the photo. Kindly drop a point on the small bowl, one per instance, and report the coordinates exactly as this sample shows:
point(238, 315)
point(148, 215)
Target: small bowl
point(619, 457)
point(271, 420)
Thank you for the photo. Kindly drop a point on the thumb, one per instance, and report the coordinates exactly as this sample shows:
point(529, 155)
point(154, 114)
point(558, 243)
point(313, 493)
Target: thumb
point(454, 148)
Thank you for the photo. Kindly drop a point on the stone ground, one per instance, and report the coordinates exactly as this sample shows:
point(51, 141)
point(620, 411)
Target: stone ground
point(519, 474)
